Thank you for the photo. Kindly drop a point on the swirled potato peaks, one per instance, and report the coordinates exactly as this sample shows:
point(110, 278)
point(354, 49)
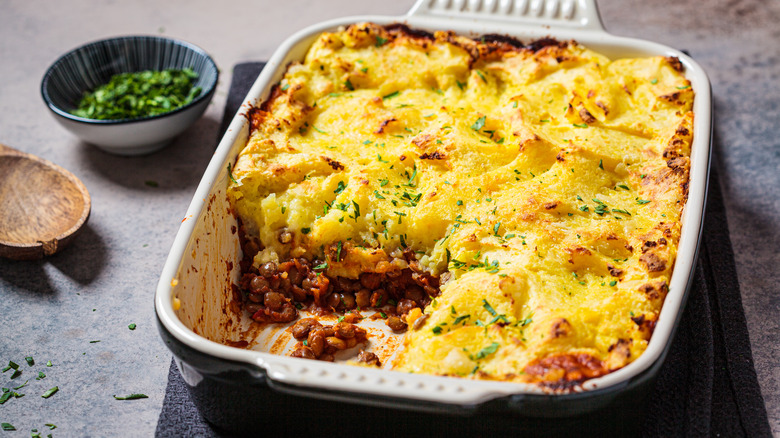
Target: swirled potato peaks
point(533, 192)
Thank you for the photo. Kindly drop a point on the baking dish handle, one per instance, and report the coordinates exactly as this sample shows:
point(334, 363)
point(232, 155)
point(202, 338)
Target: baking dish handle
point(571, 14)
point(375, 386)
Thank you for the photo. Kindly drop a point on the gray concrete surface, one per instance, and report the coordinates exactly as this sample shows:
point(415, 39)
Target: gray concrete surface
point(52, 309)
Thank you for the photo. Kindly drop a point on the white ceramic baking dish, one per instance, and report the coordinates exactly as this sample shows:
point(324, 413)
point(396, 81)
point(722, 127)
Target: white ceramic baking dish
point(195, 286)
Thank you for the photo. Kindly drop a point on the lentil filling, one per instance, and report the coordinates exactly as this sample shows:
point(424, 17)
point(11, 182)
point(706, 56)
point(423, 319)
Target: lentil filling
point(274, 292)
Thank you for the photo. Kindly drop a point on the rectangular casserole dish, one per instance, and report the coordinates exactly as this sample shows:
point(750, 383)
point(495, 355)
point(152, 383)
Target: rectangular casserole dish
point(195, 287)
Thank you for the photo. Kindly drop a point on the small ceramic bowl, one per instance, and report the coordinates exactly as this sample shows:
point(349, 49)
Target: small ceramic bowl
point(93, 64)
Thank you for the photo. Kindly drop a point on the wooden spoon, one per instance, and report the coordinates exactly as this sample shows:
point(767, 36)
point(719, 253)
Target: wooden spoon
point(42, 206)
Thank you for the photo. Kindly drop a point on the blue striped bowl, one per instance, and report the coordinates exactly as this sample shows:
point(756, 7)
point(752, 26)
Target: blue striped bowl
point(93, 64)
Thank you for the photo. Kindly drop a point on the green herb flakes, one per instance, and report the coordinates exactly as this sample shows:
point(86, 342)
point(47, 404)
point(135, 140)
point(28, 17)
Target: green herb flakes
point(230, 173)
point(30, 360)
point(131, 397)
point(479, 124)
point(131, 326)
point(50, 392)
point(490, 349)
point(140, 94)
point(488, 307)
point(8, 427)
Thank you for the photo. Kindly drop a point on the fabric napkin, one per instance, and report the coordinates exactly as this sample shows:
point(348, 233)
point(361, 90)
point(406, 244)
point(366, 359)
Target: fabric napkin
point(706, 387)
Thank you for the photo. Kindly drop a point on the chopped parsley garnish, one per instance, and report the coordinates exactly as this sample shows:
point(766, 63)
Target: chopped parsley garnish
point(481, 76)
point(683, 88)
point(340, 187)
point(131, 326)
point(488, 307)
point(580, 125)
point(50, 392)
point(357, 210)
point(624, 187)
point(349, 85)
point(601, 164)
point(230, 173)
point(654, 81)
point(140, 94)
point(490, 349)
point(380, 41)
point(391, 95)
point(8, 427)
point(305, 230)
point(321, 266)
point(130, 397)
point(612, 283)
point(436, 330)
point(30, 360)
point(479, 124)
point(642, 201)
point(460, 319)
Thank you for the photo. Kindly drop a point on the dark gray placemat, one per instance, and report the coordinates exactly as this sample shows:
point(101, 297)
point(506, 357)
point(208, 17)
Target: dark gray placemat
point(706, 387)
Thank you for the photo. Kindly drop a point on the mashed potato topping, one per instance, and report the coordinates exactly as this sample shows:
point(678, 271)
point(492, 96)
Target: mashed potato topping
point(542, 185)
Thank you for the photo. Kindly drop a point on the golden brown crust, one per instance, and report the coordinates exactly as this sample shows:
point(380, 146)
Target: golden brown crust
point(541, 183)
